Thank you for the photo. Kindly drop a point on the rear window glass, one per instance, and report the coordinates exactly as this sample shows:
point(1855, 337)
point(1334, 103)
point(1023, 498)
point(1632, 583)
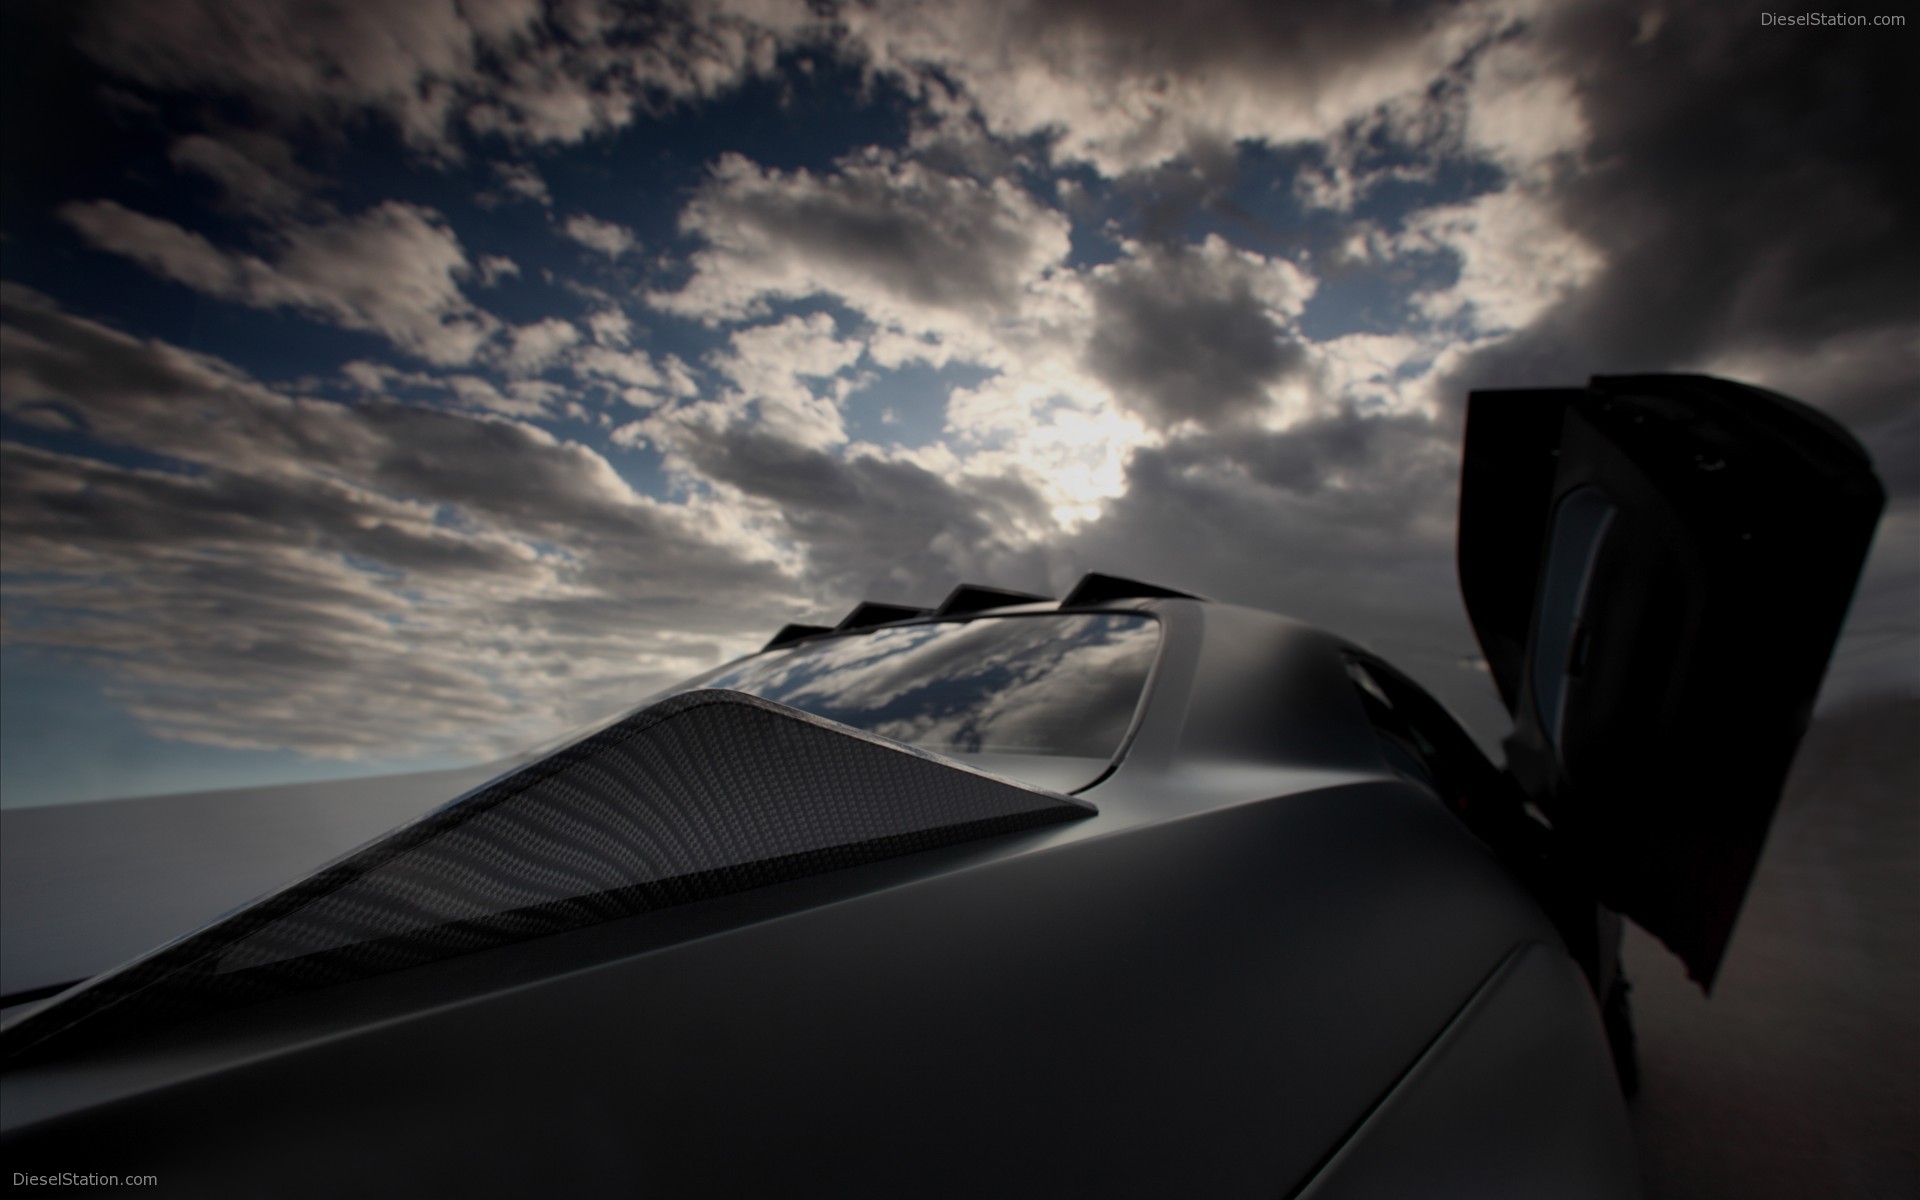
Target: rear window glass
point(1047, 685)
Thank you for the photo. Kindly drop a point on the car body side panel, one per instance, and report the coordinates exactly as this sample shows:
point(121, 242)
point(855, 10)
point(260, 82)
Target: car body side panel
point(1269, 690)
point(1202, 1005)
point(1515, 1100)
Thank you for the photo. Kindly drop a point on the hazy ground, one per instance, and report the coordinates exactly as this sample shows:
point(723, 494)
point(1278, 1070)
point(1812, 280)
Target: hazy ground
point(1801, 1076)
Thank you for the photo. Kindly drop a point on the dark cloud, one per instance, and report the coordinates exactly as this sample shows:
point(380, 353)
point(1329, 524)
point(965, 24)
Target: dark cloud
point(1181, 335)
point(1309, 44)
point(1128, 86)
point(373, 579)
point(604, 237)
point(1311, 457)
point(1167, 197)
point(518, 181)
point(257, 174)
point(882, 233)
point(394, 269)
point(1751, 191)
point(1345, 522)
point(199, 411)
point(59, 503)
point(520, 69)
point(1307, 520)
point(879, 527)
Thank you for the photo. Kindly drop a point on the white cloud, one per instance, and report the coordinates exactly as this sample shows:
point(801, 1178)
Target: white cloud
point(1379, 372)
point(610, 326)
point(679, 377)
point(910, 247)
point(1055, 430)
point(632, 367)
point(519, 181)
point(391, 270)
point(542, 396)
point(1516, 259)
point(769, 366)
point(770, 357)
point(256, 172)
point(1520, 111)
point(523, 398)
point(603, 237)
point(535, 347)
point(349, 581)
point(160, 246)
point(369, 376)
point(495, 267)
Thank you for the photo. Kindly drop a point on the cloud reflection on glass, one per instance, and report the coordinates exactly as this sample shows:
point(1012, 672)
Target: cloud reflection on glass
point(1052, 685)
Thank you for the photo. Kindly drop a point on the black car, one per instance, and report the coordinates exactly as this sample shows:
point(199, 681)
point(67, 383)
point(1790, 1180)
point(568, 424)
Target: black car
point(1123, 893)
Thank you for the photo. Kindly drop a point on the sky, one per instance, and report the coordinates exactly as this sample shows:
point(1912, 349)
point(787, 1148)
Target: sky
point(390, 384)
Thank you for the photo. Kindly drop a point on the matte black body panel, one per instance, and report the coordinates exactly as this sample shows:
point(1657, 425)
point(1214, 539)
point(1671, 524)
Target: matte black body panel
point(1511, 1102)
point(1201, 1006)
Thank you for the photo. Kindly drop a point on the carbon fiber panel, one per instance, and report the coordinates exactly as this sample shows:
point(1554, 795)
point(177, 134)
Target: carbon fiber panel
point(702, 794)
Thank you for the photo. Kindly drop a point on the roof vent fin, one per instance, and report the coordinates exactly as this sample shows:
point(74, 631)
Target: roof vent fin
point(1095, 588)
point(974, 597)
point(868, 613)
point(793, 633)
